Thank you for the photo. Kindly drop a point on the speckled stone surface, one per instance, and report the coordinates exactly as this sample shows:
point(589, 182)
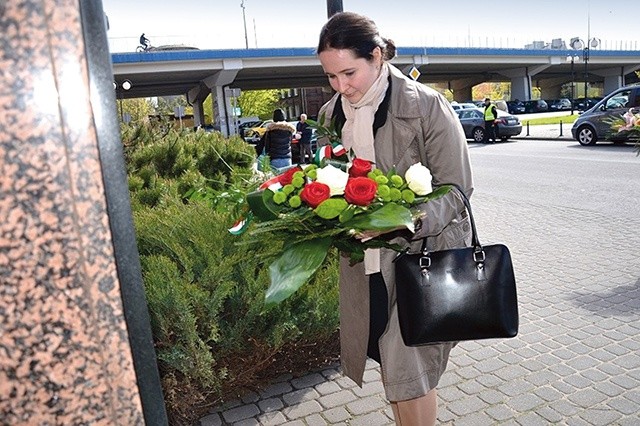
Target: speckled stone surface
point(64, 351)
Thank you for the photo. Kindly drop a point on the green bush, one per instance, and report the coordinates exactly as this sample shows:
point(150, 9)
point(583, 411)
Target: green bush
point(204, 287)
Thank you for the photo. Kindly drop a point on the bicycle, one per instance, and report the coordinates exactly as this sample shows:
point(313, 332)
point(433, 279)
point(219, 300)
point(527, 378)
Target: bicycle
point(144, 48)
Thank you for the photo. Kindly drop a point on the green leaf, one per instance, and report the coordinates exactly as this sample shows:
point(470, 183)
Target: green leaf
point(294, 267)
point(388, 217)
point(331, 208)
point(262, 205)
point(347, 214)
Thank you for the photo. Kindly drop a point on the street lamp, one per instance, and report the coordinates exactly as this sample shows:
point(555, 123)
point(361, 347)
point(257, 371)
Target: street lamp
point(573, 59)
point(125, 85)
point(244, 19)
point(577, 44)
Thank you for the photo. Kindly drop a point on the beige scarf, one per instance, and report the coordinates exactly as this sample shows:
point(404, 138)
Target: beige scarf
point(357, 134)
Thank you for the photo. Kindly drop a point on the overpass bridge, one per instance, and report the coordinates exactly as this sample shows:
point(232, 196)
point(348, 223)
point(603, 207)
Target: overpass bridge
point(198, 73)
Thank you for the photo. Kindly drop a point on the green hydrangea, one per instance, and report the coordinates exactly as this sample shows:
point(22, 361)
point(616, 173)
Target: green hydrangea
point(381, 180)
point(383, 190)
point(288, 189)
point(295, 201)
point(374, 173)
point(408, 195)
point(397, 181)
point(279, 197)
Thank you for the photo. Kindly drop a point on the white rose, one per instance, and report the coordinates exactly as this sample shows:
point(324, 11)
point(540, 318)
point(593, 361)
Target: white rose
point(418, 179)
point(334, 178)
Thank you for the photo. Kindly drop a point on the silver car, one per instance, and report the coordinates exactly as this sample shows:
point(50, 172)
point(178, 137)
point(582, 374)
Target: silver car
point(472, 120)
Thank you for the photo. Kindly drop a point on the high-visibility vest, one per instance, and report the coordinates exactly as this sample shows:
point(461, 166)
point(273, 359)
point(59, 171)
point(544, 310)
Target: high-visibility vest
point(488, 113)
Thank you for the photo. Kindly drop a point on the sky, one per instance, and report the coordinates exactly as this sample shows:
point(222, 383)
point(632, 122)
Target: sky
point(219, 24)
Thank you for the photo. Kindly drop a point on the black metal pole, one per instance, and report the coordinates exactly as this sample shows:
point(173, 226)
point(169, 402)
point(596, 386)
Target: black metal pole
point(333, 7)
point(573, 85)
point(586, 73)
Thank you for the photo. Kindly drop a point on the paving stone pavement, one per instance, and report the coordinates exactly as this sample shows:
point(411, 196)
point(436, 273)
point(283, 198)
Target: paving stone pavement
point(575, 361)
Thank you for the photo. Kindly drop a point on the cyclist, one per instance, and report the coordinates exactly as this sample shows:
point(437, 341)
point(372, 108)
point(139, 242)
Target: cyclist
point(144, 42)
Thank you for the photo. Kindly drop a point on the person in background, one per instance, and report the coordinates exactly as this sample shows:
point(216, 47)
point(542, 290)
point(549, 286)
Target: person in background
point(490, 116)
point(144, 42)
point(276, 141)
point(395, 122)
point(303, 134)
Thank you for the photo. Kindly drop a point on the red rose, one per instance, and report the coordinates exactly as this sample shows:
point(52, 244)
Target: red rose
point(314, 193)
point(359, 167)
point(360, 191)
point(287, 177)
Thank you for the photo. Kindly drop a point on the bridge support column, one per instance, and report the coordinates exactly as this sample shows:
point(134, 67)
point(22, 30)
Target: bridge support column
point(463, 94)
point(613, 82)
point(521, 88)
point(463, 88)
point(550, 91)
point(198, 113)
point(215, 84)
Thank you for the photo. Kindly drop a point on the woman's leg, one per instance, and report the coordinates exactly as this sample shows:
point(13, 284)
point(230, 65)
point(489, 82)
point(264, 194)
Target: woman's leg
point(421, 411)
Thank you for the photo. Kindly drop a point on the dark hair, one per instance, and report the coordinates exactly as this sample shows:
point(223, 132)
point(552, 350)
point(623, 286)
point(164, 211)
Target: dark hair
point(278, 115)
point(348, 30)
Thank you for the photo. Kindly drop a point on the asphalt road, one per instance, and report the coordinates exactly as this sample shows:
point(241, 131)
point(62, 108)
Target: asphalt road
point(604, 178)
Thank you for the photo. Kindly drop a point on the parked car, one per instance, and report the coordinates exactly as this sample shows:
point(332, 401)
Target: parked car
point(581, 105)
point(515, 107)
point(595, 123)
point(243, 127)
point(562, 104)
point(472, 121)
point(253, 134)
point(462, 105)
point(537, 105)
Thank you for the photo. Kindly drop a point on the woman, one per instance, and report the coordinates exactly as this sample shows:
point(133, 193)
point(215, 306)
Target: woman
point(395, 122)
point(276, 141)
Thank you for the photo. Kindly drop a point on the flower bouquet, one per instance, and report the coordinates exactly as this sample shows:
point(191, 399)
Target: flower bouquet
point(337, 203)
point(629, 126)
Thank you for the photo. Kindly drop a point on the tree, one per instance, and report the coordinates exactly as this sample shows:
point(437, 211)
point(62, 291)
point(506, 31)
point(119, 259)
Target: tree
point(139, 108)
point(168, 104)
point(259, 102)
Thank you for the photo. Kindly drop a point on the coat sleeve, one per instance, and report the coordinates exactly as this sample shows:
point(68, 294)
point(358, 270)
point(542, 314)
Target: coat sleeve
point(444, 151)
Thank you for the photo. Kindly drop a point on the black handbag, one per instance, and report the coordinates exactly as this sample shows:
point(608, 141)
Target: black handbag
point(458, 294)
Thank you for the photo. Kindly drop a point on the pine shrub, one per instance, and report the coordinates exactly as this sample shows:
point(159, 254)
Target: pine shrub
point(204, 287)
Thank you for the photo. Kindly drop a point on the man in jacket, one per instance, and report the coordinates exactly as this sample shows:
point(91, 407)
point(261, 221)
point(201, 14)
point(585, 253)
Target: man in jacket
point(490, 116)
point(303, 134)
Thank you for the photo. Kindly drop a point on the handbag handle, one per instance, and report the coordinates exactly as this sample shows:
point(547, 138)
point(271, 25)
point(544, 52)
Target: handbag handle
point(474, 238)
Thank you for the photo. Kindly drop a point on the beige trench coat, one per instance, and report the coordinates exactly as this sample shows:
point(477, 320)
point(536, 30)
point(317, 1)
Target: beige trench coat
point(422, 127)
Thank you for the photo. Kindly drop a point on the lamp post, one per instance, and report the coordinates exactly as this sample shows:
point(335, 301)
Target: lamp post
point(126, 85)
point(573, 59)
point(244, 19)
point(333, 7)
point(577, 44)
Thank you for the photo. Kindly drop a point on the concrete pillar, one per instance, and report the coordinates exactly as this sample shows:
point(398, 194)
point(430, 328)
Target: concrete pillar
point(463, 94)
point(549, 91)
point(521, 88)
point(612, 82)
point(220, 106)
point(75, 340)
point(462, 88)
point(198, 113)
